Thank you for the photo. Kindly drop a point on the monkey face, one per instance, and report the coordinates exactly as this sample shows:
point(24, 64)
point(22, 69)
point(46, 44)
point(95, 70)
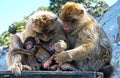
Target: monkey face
point(43, 24)
point(71, 10)
point(47, 27)
point(71, 14)
point(28, 45)
point(69, 25)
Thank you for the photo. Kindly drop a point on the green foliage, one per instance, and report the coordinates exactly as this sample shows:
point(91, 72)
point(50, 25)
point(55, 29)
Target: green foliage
point(20, 26)
point(97, 7)
point(43, 8)
point(16, 27)
point(12, 29)
point(5, 38)
point(93, 6)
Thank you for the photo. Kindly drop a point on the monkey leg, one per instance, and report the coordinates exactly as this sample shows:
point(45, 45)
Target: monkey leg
point(26, 67)
point(67, 66)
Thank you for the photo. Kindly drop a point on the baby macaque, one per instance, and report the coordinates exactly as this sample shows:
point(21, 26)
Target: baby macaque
point(28, 52)
point(50, 64)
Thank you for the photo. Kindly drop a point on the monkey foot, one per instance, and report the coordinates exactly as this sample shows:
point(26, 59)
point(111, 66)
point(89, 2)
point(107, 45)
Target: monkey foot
point(68, 67)
point(16, 69)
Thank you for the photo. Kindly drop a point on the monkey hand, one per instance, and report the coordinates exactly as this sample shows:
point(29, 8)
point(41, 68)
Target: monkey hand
point(26, 67)
point(62, 57)
point(16, 69)
point(46, 65)
point(15, 50)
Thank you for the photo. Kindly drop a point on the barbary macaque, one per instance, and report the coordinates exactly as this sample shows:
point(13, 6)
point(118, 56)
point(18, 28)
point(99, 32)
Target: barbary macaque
point(28, 52)
point(14, 61)
point(32, 48)
point(43, 24)
point(50, 64)
point(90, 47)
point(60, 46)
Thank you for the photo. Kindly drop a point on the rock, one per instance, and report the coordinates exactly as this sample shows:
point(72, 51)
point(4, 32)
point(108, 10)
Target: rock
point(110, 22)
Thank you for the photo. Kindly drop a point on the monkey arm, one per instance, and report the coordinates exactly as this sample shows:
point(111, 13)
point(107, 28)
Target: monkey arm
point(51, 58)
point(81, 52)
point(87, 41)
point(85, 45)
point(23, 51)
point(14, 62)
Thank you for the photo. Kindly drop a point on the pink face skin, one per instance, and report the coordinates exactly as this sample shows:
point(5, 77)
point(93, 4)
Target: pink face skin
point(29, 45)
point(51, 46)
point(46, 65)
point(67, 27)
point(37, 40)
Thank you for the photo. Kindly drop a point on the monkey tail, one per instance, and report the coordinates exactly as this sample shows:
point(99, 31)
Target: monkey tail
point(107, 70)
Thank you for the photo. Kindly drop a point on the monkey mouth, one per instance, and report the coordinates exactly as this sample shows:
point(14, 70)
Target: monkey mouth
point(67, 29)
point(45, 38)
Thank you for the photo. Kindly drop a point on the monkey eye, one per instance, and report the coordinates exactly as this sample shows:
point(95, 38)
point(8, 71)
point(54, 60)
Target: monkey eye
point(67, 20)
point(50, 31)
point(73, 20)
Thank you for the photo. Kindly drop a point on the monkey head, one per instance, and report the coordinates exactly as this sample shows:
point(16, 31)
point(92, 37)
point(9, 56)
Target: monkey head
point(43, 23)
point(29, 43)
point(60, 46)
point(71, 14)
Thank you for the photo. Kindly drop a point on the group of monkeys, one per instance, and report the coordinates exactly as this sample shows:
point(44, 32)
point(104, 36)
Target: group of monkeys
point(73, 42)
point(36, 55)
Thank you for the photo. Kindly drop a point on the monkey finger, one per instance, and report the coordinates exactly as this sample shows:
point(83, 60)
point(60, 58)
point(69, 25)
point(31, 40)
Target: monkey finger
point(56, 60)
point(16, 71)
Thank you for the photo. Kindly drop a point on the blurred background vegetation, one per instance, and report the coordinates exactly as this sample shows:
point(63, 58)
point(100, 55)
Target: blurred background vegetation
point(94, 7)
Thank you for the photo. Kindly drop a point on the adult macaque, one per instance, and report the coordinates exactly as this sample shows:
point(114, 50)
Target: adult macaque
point(90, 47)
point(43, 24)
point(14, 62)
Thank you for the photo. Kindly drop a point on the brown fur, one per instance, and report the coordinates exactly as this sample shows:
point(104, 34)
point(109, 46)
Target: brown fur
point(60, 46)
point(91, 48)
point(32, 58)
point(41, 22)
point(14, 62)
point(42, 54)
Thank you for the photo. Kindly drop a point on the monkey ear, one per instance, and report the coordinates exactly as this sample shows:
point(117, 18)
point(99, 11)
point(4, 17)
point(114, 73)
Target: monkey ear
point(81, 11)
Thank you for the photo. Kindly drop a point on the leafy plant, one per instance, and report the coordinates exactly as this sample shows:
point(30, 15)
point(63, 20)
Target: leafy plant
point(95, 7)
